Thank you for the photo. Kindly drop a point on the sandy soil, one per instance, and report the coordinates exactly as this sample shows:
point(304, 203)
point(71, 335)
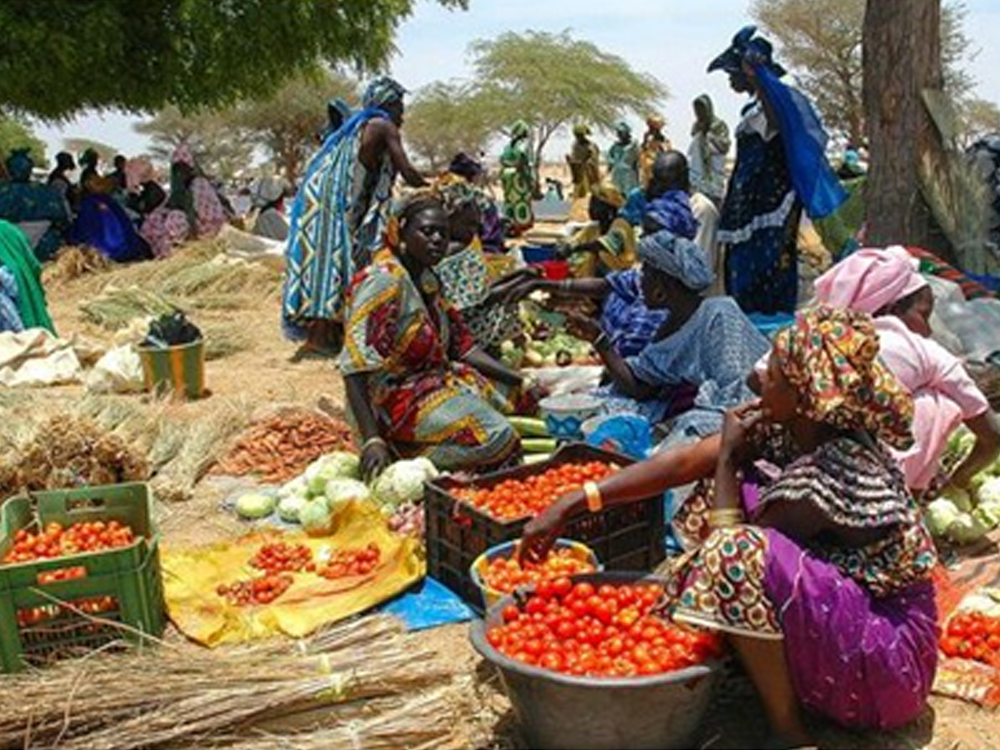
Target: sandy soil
point(263, 377)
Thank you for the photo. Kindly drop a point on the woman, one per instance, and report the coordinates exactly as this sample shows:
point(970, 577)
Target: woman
point(413, 375)
point(269, 201)
point(584, 161)
point(780, 167)
point(654, 143)
point(41, 211)
point(885, 284)
point(517, 174)
point(192, 193)
point(709, 148)
point(623, 160)
point(163, 227)
point(820, 574)
point(464, 167)
point(705, 347)
point(22, 298)
point(607, 243)
point(467, 273)
point(102, 221)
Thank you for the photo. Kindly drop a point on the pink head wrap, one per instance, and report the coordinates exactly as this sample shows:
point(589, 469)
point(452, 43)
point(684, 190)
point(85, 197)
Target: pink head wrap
point(870, 280)
point(183, 155)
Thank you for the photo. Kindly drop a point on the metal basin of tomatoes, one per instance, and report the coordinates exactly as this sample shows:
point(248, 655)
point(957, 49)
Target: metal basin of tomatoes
point(557, 710)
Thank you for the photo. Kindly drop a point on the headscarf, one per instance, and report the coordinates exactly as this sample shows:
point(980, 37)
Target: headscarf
point(183, 155)
point(456, 194)
point(870, 280)
point(672, 211)
point(677, 257)
point(465, 166)
point(623, 127)
point(655, 122)
point(608, 194)
point(19, 165)
point(519, 130)
point(747, 47)
point(382, 92)
point(269, 189)
point(718, 131)
point(581, 129)
point(830, 356)
point(404, 208)
point(89, 158)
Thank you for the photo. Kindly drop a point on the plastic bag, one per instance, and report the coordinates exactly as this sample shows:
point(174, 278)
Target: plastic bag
point(118, 371)
point(630, 434)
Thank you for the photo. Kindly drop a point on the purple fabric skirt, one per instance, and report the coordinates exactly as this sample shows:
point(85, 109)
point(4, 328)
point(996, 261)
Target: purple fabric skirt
point(862, 661)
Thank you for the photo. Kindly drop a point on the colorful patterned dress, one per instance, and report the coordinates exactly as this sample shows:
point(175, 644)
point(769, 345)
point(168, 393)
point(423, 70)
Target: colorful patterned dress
point(858, 623)
point(518, 179)
point(759, 221)
point(427, 402)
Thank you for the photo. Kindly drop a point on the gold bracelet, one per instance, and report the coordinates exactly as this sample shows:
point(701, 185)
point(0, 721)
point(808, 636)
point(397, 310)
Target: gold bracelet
point(721, 517)
point(373, 441)
point(594, 500)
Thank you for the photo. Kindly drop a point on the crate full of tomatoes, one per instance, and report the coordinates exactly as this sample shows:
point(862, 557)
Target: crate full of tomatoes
point(466, 517)
point(75, 566)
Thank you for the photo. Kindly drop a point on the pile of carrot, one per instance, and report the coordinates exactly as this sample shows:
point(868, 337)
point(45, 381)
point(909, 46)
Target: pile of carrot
point(281, 447)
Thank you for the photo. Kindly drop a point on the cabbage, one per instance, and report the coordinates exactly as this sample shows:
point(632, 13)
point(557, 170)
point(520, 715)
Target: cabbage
point(988, 514)
point(336, 465)
point(290, 507)
point(340, 491)
point(989, 491)
point(939, 516)
point(959, 497)
point(296, 486)
point(960, 443)
point(967, 529)
point(254, 505)
point(403, 482)
point(316, 518)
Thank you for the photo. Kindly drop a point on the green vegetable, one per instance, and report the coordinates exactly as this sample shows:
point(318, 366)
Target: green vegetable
point(967, 529)
point(959, 497)
point(403, 482)
point(537, 458)
point(539, 445)
point(316, 518)
point(988, 513)
point(939, 516)
point(989, 491)
point(340, 491)
point(255, 505)
point(529, 426)
point(290, 507)
point(336, 465)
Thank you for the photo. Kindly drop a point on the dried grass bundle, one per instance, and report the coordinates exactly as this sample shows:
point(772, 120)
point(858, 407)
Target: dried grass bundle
point(181, 696)
point(74, 262)
point(205, 440)
point(224, 340)
point(116, 308)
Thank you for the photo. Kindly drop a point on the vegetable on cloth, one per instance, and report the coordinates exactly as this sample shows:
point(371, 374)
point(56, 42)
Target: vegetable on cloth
point(192, 576)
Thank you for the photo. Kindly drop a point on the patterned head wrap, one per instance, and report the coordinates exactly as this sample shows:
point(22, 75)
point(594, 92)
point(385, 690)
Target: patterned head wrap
point(623, 127)
point(870, 280)
point(677, 257)
point(465, 166)
point(608, 194)
point(382, 92)
point(747, 47)
point(19, 165)
point(456, 194)
point(405, 208)
point(831, 357)
point(519, 130)
point(655, 122)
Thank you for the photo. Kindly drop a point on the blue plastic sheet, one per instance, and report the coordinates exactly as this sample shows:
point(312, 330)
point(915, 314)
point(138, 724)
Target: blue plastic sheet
point(630, 434)
point(428, 605)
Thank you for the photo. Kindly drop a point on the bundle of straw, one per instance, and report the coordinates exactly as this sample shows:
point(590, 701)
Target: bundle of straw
point(116, 308)
point(180, 696)
point(73, 262)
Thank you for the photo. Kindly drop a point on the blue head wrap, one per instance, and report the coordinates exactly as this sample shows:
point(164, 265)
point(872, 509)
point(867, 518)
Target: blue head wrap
point(747, 47)
point(678, 257)
point(382, 92)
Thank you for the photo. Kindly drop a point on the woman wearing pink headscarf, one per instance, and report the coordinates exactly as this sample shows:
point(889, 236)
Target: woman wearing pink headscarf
point(885, 284)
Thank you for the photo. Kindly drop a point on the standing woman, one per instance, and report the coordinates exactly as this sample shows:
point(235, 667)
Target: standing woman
point(780, 167)
point(417, 385)
point(517, 174)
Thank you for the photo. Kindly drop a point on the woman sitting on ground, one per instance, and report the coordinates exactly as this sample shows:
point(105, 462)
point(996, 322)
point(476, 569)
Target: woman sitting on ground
point(884, 283)
point(22, 297)
point(416, 383)
point(607, 243)
point(814, 558)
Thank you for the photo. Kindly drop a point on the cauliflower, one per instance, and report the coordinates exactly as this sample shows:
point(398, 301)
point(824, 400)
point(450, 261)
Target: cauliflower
point(967, 529)
point(290, 507)
point(939, 516)
point(316, 518)
point(989, 491)
point(254, 505)
point(959, 497)
point(403, 482)
point(336, 465)
point(340, 491)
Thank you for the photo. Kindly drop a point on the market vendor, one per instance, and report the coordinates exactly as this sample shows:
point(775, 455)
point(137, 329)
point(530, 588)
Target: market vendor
point(607, 243)
point(696, 365)
point(884, 283)
point(416, 383)
point(813, 557)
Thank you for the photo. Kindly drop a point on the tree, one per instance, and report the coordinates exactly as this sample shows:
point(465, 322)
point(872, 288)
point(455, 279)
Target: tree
point(62, 56)
point(15, 134)
point(286, 124)
point(902, 41)
point(220, 148)
point(977, 118)
point(553, 80)
point(821, 42)
point(445, 118)
point(78, 145)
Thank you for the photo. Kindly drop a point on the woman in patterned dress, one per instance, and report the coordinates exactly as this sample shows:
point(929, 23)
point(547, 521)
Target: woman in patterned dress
point(812, 556)
point(517, 175)
point(417, 385)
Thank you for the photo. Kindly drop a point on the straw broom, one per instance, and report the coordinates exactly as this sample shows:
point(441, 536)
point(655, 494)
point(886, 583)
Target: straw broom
point(177, 694)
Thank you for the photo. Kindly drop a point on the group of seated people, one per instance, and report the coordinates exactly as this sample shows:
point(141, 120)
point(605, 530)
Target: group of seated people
point(805, 540)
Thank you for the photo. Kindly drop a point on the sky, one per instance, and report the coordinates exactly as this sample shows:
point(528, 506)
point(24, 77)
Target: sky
point(671, 39)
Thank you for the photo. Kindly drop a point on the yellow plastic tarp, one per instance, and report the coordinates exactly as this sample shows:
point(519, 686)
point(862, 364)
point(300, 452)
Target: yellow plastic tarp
point(191, 577)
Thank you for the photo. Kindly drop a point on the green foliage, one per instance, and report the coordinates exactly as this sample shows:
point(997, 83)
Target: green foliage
point(77, 146)
point(445, 118)
point(820, 42)
point(220, 149)
point(978, 117)
point(15, 134)
point(553, 80)
point(62, 56)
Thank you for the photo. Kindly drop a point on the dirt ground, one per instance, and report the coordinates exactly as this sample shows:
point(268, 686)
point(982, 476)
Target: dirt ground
point(262, 376)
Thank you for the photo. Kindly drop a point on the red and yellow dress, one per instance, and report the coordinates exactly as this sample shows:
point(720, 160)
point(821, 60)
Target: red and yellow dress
point(427, 402)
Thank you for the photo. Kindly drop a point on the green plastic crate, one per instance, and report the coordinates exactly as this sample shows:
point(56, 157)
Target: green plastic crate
point(34, 628)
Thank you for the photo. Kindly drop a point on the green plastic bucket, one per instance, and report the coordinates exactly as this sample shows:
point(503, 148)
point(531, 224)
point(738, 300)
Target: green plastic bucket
point(177, 368)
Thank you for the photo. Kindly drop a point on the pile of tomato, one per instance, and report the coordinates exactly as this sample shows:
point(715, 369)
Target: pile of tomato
point(504, 574)
point(521, 498)
point(55, 541)
point(279, 557)
point(263, 590)
point(351, 562)
point(972, 635)
point(598, 631)
point(94, 605)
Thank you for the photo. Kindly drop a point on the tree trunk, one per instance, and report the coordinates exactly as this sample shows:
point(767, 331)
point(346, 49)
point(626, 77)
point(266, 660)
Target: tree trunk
point(902, 57)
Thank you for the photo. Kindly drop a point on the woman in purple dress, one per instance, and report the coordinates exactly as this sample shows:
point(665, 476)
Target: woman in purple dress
point(806, 549)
